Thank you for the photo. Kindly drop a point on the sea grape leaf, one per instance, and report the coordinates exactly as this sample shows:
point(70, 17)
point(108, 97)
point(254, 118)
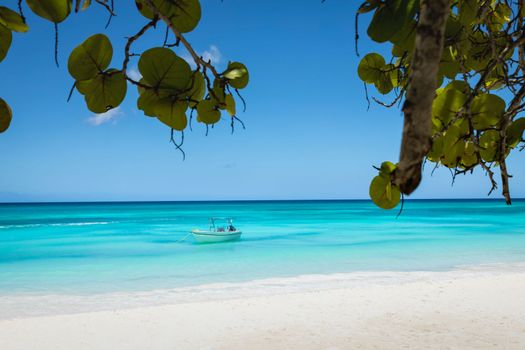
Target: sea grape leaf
point(53, 10)
point(229, 101)
point(488, 143)
point(383, 193)
point(468, 10)
point(390, 17)
point(469, 157)
point(453, 147)
point(5, 115)
point(197, 89)
point(218, 93)
point(459, 85)
point(405, 38)
point(384, 84)
point(172, 113)
point(237, 75)
point(148, 99)
point(6, 37)
point(479, 54)
point(436, 152)
point(207, 112)
point(106, 91)
point(487, 110)
point(12, 20)
point(453, 28)
point(448, 66)
point(161, 68)
point(90, 58)
point(387, 168)
point(515, 132)
point(183, 14)
point(370, 68)
point(83, 86)
point(447, 104)
point(186, 15)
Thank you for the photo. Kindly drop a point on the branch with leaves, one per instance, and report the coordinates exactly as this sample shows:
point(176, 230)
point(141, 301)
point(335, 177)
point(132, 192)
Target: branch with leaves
point(455, 62)
point(168, 88)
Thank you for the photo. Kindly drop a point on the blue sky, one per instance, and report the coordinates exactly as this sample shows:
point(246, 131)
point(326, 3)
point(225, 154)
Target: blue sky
point(309, 134)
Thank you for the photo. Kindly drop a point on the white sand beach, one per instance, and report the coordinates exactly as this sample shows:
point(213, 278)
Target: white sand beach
point(475, 309)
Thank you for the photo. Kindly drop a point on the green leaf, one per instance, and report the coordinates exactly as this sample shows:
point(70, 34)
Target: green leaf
point(5, 115)
point(448, 66)
point(161, 68)
point(390, 17)
point(383, 193)
point(488, 143)
point(106, 91)
point(53, 10)
point(515, 132)
point(148, 99)
point(469, 157)
point(218, 93)
point(172, 113)
point(90, 58)
point(387, 168)
point(12, 20)
point(453, 147)
point(479, 54)
point(230, 104)
point(447, 104)
point(6, 37)
point(436, 152)
point(197, 89)
point(406, 37)
point(370, 68)
point(207, 112)
point(468, 11)
point(184, 14)
point(486, 111)
point(83, 86)
point(237, 75)
point(459, 85)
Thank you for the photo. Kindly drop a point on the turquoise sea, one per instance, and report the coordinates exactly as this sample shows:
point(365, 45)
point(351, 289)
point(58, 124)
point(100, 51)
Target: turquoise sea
point(77, 248)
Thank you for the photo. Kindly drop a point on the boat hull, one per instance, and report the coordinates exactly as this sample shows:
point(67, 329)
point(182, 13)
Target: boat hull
point(215, 237)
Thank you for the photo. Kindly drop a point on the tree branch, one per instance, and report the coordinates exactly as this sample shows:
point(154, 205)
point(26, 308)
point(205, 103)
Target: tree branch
point(421, 91)
point(199, 61)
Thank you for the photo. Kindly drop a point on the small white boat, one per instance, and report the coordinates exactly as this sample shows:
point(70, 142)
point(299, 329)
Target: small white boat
point(217, 232)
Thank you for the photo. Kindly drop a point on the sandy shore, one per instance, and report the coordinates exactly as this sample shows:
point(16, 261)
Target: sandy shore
point(452, 310)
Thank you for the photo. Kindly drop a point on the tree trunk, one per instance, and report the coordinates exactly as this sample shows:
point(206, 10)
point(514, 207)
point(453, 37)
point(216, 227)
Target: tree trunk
point(422, 85)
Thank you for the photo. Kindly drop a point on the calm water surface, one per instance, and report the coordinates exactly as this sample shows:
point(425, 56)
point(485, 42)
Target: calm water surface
point(105, 247)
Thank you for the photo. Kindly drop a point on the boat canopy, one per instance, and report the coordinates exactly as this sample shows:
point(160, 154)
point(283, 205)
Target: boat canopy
point(216, 220)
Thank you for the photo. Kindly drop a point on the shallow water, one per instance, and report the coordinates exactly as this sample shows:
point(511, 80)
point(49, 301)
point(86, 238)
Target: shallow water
point(111, 247)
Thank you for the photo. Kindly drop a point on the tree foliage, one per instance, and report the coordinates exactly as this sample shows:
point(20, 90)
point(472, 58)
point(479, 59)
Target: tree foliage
point(457, 68)
point(475, 111)
point(169, 89)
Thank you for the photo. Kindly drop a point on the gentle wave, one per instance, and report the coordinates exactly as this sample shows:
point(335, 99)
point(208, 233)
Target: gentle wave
point(30, 305)
point(59, 224)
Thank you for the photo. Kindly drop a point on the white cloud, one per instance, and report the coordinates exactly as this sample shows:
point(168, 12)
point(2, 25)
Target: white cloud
point(102, 118)
point(212, 54)
point(134, 74)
